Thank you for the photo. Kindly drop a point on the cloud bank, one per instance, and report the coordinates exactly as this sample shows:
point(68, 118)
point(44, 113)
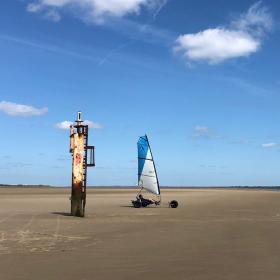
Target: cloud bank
point(92, 10)
point(241, 38)
point(65, 125)
point(20, 110)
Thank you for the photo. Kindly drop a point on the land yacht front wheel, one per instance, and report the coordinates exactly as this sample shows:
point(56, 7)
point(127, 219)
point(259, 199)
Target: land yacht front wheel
point(173, 204)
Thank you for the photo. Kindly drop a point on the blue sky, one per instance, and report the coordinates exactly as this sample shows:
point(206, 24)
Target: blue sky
point(199, 78)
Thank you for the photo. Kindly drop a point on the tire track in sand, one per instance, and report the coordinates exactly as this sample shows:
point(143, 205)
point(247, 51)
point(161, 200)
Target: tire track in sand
point(7, 218)
point(56, 234)
point(24, 232)
point(3, 247)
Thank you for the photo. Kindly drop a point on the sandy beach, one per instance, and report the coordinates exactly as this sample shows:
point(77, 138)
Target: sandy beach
point(214, 234)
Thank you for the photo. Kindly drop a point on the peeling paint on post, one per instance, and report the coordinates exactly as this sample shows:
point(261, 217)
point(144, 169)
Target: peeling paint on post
point(79, 149)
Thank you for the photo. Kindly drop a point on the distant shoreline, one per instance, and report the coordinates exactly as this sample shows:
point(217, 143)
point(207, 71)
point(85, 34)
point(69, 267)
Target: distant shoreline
point(135, 187)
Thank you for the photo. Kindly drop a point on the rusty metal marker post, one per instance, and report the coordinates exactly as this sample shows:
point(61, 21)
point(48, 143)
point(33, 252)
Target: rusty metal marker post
point(83, 157)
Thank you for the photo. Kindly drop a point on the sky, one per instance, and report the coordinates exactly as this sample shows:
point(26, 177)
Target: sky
point(200, 78)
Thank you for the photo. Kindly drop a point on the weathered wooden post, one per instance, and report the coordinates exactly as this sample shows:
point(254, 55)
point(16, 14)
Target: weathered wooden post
point(80, 161)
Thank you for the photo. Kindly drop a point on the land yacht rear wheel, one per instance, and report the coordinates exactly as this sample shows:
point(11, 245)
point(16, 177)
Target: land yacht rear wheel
point(136, 204)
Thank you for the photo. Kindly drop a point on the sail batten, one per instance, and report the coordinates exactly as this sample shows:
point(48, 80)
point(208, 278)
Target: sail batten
point(147, 175)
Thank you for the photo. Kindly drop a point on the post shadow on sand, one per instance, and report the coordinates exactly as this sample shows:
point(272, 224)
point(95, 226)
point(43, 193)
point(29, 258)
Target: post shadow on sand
point(67, 214)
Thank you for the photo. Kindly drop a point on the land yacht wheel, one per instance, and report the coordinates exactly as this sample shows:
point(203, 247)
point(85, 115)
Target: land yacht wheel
point(136, 204)
point(173, 204)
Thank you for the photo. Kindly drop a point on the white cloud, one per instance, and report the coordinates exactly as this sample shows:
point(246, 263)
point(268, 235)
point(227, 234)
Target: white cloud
point(269, 145)
point(34, 7)
point(92, 124)
point(257, 19)
point(96, 10)
point(53, 15)
point(20, 110)
point(216, 45)
point(201, 131)
point(241, 38)
point(66, 124)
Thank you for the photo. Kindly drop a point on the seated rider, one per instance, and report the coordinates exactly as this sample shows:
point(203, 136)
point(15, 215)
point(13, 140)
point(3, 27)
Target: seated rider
point(143, 200)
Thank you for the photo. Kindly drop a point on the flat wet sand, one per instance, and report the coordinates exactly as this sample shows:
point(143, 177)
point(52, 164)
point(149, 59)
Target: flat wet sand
point(214, 234)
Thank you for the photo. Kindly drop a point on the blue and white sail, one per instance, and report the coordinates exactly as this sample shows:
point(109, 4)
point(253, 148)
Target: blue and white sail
point(147, 175)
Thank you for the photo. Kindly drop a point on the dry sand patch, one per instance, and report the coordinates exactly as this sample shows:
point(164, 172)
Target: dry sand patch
point(214, 234)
